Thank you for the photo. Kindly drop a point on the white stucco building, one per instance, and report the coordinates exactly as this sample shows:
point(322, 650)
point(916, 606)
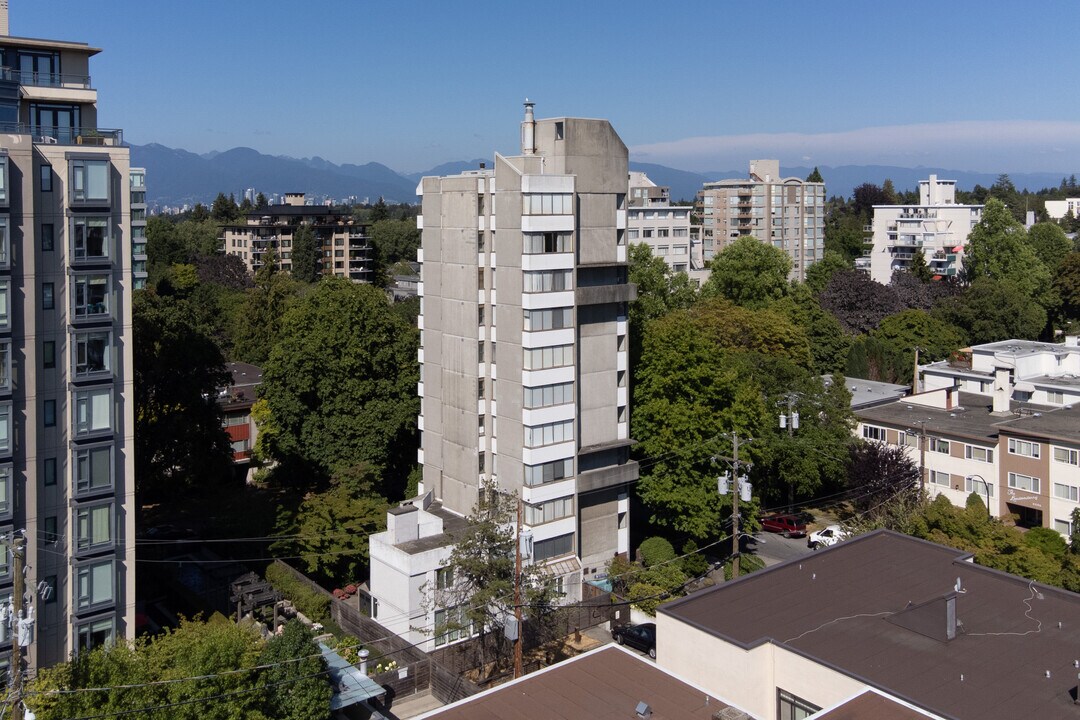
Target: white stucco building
point(937, 226)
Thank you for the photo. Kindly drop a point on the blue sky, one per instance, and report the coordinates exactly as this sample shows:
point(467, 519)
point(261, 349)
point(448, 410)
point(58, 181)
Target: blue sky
point(981, 86)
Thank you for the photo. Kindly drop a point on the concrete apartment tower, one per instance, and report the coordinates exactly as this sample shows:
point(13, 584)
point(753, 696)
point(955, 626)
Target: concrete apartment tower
point(524, 374)
point(787, 212)
point(66, 399)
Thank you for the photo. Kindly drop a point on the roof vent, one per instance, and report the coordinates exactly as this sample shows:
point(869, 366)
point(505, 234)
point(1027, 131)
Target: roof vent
point(643, 710)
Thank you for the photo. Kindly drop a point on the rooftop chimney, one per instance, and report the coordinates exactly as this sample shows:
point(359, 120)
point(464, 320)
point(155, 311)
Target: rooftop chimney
point(528, 130)
point(4, 17)
point(1002, 391)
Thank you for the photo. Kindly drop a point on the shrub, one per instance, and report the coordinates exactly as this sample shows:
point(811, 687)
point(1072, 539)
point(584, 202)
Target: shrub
point(646, 597)
point(656, 550)
point(694, 563)
point(315, 605)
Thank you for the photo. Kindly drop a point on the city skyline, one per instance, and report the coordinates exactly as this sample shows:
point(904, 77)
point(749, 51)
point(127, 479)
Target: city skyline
point(414, 86)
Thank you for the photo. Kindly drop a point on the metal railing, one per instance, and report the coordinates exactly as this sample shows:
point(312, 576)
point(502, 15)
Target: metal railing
point(51, 135)
point(43, 79)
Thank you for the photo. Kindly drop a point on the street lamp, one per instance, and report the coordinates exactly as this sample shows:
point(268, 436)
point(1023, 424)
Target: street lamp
point(987, 486)
point(790, 422)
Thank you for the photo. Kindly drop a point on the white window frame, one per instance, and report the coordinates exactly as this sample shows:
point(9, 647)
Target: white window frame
point(1065, 455)
point(5, 242)
point(5, 304)
point(1033, 483)
point(939, 478)
point(1064, 491)
point(874, 432)
point(1025, 448)
point(552, 356)
point(549, 472)
point(5, 366)
point(938, 445)
point(549, 434)
point(7, 490)
point(971, 452)
point(547, 395)
point(549, 511)
point(979, 488)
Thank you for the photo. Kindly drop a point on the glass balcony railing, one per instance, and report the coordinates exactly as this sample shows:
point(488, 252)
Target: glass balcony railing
point(44, 79)
point(52, 135)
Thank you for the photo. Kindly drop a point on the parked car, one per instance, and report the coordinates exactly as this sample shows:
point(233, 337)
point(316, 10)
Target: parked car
point(642, 637)
point(786, 525)
point(829, 536)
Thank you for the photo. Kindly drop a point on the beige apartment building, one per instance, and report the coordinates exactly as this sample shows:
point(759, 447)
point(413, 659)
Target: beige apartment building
point(787, 212)
point(343, 243)
point(66, 399)
point(524, 368)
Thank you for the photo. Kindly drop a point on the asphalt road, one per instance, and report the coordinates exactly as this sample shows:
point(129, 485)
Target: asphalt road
point(774, 548)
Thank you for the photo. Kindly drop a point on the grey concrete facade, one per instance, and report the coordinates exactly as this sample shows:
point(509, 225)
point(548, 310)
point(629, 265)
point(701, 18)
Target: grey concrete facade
point(524, 379)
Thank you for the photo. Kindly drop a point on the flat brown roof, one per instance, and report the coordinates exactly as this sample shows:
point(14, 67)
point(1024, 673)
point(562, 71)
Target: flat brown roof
point(873, 608)
point(605, 684)
point(872, 706)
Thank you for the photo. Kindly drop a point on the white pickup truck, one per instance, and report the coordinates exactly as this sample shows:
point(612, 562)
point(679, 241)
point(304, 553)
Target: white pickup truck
point(826, 537)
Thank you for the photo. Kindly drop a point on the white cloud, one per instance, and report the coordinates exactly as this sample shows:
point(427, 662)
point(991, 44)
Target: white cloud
point(977, 145)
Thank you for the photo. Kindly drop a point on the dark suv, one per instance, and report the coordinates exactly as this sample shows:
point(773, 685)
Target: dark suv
point(786, 525)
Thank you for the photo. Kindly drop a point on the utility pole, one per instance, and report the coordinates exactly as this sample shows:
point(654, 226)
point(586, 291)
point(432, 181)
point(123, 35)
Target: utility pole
point(741, 484)
point(791, 422)
point(922, 456)
point(517, 592)
point(915, 374)
point(735, 508)
point(18, 554)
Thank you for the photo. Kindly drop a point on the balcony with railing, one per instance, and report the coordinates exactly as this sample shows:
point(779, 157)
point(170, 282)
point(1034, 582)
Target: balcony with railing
point(30, 78)
point(52, 135)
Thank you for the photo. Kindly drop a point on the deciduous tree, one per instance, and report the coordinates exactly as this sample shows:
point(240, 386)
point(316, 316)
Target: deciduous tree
point(749, 272)
point(306, 255)
point(340, 384)
point(992, 310)
point(858, 302)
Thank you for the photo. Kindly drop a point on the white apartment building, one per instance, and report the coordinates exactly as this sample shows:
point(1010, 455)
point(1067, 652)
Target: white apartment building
point(137, 183)
point(787, 212)
point(666, 229)
point(524, 375)
point(1058, 209)
point(1037, 372)
point(937, 226)
point(66, 377)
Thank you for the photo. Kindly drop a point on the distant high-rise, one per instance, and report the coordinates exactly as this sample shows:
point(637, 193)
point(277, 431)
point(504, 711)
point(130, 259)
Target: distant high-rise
point(524, 372)
point(66, 394)
point(788, 213)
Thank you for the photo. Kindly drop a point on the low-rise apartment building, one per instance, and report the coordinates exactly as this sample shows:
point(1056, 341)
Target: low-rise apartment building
point(236, 401)
point(787, 212)
point(343, 244)
point(879, 626)
point(1036, 372)
point(1022, 459)
point(666, 229)
point(937, 227)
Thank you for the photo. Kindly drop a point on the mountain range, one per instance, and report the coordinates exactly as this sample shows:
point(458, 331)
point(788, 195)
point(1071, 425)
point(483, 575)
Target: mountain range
point(176, 177)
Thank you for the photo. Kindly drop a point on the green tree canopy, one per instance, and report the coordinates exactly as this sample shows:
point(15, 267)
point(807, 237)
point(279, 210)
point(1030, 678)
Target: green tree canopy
point(1050, 244)
point(659, 291)
point(815, 176)
point(998, 249)
point(258, 323)
point(157, 666)
point(909, 329)
point(395, 241)
point(179, 441)
point(748, 272)
point(992, 310)
point(340, 384)
point(306, 255)
point(1067, 285)
point(829, 344)
point(819, 273)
